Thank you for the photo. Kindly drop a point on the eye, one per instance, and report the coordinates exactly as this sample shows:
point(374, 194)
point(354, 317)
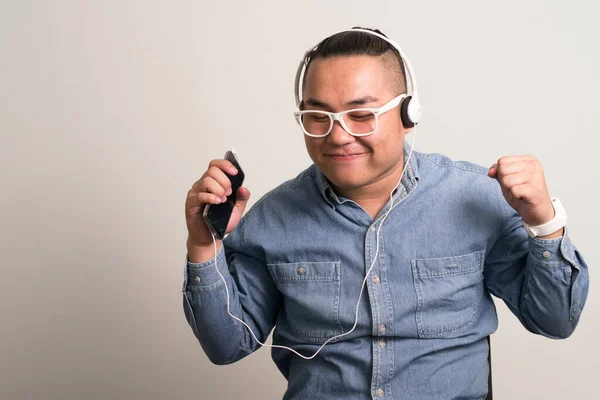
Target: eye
point(316, 117)
point(361, 116)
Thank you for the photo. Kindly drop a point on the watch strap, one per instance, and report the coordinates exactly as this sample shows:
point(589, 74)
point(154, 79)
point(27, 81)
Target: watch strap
point(559, 221)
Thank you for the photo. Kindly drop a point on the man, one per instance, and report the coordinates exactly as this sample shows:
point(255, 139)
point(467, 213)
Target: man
point(455, 234)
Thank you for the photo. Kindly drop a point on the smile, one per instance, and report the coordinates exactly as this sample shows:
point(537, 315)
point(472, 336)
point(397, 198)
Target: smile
point(345, 157)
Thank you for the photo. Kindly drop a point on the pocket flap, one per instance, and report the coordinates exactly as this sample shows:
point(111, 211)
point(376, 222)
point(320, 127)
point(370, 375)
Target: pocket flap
point(438, 267)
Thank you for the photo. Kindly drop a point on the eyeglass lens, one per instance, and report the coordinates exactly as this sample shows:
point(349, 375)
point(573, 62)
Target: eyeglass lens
point(358, 122)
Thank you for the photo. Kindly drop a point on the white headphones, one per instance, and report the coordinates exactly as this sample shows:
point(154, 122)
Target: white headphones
point(410, 109)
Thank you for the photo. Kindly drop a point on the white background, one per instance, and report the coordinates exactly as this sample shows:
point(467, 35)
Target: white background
point(110, 111)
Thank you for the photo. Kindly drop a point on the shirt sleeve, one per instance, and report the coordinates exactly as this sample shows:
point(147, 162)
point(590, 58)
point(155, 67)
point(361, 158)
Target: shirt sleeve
point(544, 282)
point(253, 298)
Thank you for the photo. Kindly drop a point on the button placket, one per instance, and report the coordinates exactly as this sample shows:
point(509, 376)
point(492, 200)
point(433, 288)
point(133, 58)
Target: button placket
point(380, 315)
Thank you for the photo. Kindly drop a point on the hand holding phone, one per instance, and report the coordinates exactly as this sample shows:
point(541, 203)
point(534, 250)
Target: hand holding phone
point(214, 203)
point(217, 216)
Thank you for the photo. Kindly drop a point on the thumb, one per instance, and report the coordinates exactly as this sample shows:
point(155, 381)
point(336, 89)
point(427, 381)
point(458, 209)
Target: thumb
point(493, 171)
point(242, 197)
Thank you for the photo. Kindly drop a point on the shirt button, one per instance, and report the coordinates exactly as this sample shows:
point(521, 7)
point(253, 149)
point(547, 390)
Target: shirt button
point(197, 279)
point(301, 271)
point(372, 229)
point(382, 343)
point(380, 392)
point(376, 280)
point(546, 254)
point(382, 328)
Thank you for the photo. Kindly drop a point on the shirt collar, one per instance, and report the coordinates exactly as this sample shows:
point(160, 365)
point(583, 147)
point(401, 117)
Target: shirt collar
point(409, 180)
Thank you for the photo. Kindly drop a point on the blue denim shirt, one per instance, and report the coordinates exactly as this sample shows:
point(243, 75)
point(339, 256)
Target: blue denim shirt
point(298, 258)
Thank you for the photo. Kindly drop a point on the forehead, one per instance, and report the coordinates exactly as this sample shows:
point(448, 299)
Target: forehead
point(342, 77)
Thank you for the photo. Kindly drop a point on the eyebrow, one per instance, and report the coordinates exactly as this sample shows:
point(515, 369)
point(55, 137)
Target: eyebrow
point(361, 101)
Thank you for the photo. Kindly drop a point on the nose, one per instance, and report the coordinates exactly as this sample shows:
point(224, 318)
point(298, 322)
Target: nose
point(338, 136)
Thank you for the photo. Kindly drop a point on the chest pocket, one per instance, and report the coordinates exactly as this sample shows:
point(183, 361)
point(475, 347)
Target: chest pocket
point(448, 291)
point(311, 295)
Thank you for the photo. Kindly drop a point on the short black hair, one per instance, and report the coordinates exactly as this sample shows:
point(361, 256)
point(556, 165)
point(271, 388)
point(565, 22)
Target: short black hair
point(356, 43)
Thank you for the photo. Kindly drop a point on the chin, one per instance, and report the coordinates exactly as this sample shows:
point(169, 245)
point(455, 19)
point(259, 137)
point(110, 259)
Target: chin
point(345, 180)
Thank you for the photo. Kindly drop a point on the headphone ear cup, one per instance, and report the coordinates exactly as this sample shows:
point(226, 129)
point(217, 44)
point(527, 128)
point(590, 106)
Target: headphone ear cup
point(406, 121)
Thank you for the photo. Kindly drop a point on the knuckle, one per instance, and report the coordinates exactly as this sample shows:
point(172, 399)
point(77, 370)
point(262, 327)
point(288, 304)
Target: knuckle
point(212, 170)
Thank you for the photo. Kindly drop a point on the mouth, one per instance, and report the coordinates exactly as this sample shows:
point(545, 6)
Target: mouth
point(345, 157)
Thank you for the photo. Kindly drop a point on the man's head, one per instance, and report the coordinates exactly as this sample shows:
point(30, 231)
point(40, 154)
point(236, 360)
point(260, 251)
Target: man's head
point(357, 43)
point(347, 71)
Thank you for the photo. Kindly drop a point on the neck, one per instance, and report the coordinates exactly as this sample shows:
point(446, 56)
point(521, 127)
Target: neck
point(374, 196)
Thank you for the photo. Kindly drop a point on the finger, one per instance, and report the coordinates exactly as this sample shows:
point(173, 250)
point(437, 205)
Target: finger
point(218, 175)
point(242, 196)
point(512, 169)
point(511, 159)
point(515, 167)
point(197, 200)
point(224, 165)
point(510, 180)
point(243, 193)
point(214, 173)
point(210, 185)
point(505, 168)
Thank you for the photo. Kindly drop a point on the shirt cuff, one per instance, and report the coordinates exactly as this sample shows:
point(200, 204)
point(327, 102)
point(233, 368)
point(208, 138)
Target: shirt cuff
point(204, 275)
point(553, 252)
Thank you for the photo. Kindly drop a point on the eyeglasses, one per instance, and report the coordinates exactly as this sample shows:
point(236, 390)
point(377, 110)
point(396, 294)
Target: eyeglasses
point(357, 122)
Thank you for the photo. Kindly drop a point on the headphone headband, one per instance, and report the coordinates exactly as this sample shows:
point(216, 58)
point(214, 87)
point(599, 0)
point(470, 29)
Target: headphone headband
point(413, 106)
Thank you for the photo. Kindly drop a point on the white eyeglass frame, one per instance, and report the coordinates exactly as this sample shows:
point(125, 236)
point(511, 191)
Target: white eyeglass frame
point(339, 117)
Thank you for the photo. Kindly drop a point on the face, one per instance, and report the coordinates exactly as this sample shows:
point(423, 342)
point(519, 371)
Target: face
point(341, 83)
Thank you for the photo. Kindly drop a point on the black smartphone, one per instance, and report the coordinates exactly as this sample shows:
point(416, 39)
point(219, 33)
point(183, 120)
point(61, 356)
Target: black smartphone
point(217, 216)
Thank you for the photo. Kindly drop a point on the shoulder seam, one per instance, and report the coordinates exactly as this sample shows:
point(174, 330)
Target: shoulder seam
point(477, 169)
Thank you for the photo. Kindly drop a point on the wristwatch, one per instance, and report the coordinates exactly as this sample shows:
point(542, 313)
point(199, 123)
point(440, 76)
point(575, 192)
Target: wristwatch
point(559, 221)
